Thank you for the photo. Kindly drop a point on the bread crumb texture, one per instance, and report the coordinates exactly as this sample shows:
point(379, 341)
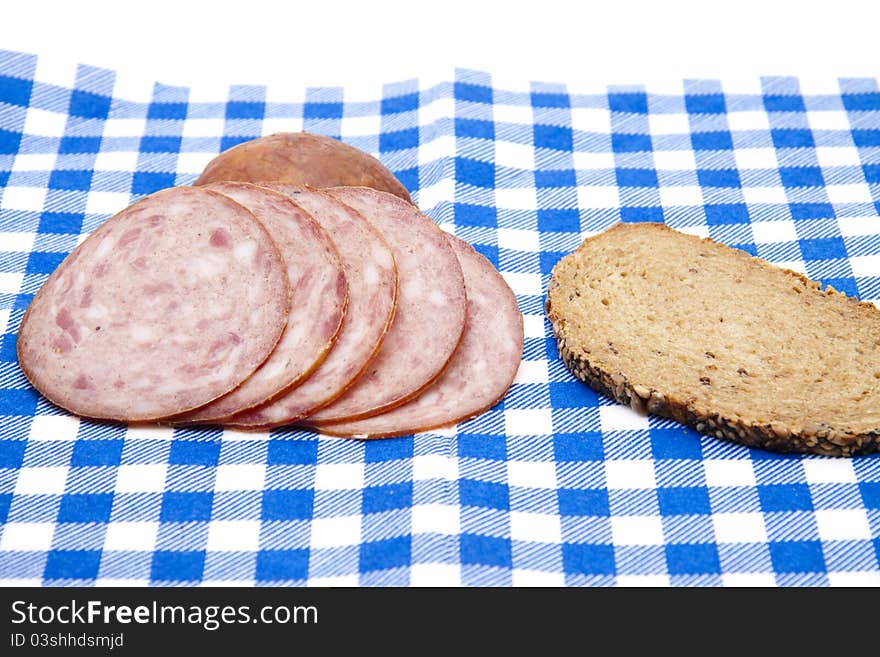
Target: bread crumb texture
point(712, 337)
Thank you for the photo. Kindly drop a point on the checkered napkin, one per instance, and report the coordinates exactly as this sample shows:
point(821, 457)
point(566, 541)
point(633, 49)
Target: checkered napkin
point(555, 485)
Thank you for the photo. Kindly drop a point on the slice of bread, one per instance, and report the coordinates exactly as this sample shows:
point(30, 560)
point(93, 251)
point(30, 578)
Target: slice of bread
point(712, 337)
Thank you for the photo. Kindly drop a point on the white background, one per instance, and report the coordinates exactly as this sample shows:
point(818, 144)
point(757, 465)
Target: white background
point(344, 43)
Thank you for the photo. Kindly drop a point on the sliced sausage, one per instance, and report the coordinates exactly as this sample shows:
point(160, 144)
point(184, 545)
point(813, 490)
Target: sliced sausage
point(372, 277)
point(301, 158)
point(319, 294)
point(480, 372)
point(169, 304)
point(430, 314)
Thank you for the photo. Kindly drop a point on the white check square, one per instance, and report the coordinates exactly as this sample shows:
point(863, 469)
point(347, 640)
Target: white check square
point(434, 466)
point(587, 161)
point(240, 476)
point(853, 578)
point(271, 125)
point(45, 123)
point(517, 239)
point(17, 242)
point(669, 124)
point(748, 120)
point(131, 536)
point(106, 202)
point(596, 196)
point(116, 161)
point(29, 199)
point(757, 195)
point(127, 127)
point(513, 113)
point(829, 471)
point(54, 427)
point(671, 196)
point(591, 119)
point(533, 326)
point(10, 282)
point(843, 525)
point(233, 536)
point(435, 519)
point(852, 193)
point(531, 474)
point(339, 476)
point(526, 284)
point(729, 472)
point(437, 149)
point(624, 474)
point(838, 156)
point(434, 574)
point(739, 527)
point(828, 120)
point(523, 198)
point(682, 160)
point(515, 156)
point(141, 478)
point(755, 158)
point(34, 161)
point(532, 371)
point(360, 126)
point(768, 232)
point(26, 536)
point(528, 421)
point(618, 417)
point(637, 530)
point(202, 128)
point(439, 108)
point(49, 480)
point(868, 265)
point(535, 527)
point(193, 162)
point(333, 532)
point(432, 196)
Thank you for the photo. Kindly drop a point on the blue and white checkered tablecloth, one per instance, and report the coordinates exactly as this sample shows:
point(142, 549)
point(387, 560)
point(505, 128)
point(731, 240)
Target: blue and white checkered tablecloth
point(553, 486)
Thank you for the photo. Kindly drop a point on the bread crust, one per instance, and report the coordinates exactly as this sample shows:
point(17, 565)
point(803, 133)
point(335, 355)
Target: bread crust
point(776, 436)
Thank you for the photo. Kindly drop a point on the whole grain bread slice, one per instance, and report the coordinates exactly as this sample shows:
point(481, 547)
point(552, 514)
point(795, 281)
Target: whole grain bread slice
point(712, 337)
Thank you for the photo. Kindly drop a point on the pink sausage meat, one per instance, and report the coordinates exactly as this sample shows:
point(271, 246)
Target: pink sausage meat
point(169, 304)
point(372, 277)
point(319, 294)
point(480, 372)
point(430, 315)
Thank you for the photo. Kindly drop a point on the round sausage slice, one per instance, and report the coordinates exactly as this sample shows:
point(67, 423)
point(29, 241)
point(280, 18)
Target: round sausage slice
point(301, 158)
point(372, 278)
point(480, 372)
point(166, 306)
point(319, 294)
point(430, 315)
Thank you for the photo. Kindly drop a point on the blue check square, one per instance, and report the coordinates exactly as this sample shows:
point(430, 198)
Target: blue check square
point(174, 566)
point(485, 550)
point(588, 559)
point(584, 502)
point(85, 507)
point(473, 492)
point(288, 504)
point(384, 554)
point(186, 507)
point(72, 564)
point(282, 565)
point(797, 557)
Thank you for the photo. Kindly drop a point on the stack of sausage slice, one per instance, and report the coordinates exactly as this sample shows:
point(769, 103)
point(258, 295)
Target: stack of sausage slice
point(263, 305)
